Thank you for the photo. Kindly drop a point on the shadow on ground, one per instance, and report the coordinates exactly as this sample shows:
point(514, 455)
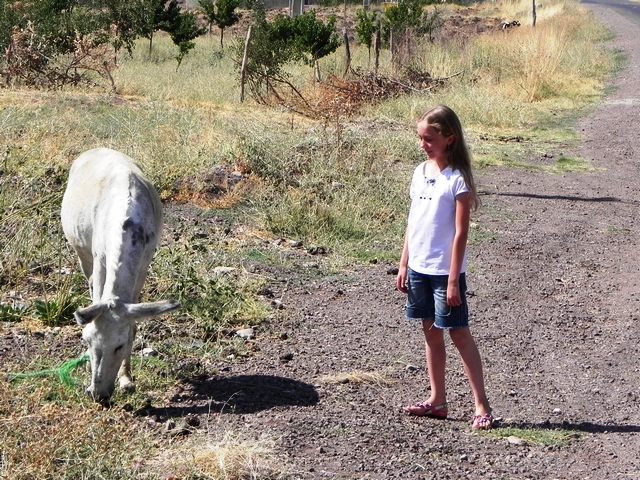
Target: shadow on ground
point(586, 427)
point(242, 394)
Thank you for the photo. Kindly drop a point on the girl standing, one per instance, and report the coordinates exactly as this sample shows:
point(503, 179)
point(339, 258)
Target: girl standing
point(433, 262)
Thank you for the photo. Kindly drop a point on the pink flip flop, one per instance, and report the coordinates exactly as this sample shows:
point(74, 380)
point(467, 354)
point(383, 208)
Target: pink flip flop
point(483, 422)
point(425, 409)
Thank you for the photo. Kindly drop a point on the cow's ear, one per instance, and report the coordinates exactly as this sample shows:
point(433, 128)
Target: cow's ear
point(141, 311)
point(88, 314)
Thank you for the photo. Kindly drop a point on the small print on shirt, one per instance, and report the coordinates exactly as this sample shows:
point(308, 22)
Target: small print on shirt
point(427, 191)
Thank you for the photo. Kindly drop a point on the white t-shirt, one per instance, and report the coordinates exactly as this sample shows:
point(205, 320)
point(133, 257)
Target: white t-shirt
point(432, 220)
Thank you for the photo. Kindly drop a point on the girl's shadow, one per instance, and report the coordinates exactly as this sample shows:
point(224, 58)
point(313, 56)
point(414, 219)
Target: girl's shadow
point(586, 427)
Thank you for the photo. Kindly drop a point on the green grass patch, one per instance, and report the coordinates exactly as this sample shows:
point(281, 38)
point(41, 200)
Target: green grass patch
point(571, 164)
point(478, 235)
point(493, 210)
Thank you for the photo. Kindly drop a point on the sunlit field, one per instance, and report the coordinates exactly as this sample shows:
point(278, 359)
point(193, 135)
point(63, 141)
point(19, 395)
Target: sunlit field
point(335, 182)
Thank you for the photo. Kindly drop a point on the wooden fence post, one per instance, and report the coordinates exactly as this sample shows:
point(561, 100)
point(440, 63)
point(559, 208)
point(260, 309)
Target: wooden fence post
point(534, 13)
point(376, 50)
point(243, 68)
point(347, 60)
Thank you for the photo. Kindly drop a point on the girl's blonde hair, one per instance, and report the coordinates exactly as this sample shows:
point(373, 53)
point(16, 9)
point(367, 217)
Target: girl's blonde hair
point(445, 121)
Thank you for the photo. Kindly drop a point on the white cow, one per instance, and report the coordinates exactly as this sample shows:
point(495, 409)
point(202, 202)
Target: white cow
point(112, 216)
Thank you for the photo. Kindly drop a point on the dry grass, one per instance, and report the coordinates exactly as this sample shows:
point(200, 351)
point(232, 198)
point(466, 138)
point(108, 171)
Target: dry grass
point(535, 64)
point(226, 455)
point(375, 378)
point(207, 76)
point(47, 432)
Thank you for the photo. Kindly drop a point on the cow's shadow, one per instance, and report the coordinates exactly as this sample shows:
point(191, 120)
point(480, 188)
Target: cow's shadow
point(241, 394)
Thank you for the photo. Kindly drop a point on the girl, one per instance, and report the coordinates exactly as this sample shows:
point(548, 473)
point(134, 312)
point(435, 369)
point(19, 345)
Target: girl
point(432, 266)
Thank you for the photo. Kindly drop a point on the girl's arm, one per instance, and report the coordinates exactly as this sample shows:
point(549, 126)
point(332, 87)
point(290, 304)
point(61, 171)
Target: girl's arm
point(401, 279)
point(463, 212)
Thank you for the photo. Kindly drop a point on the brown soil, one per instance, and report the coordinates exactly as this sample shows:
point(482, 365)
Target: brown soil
point(554, 306)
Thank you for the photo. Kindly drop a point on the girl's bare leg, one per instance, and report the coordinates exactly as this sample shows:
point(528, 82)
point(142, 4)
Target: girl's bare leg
point(436, 361)
point(464, 342)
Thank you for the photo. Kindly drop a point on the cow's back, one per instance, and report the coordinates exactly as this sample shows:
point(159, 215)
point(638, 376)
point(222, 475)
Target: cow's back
point(99, 195)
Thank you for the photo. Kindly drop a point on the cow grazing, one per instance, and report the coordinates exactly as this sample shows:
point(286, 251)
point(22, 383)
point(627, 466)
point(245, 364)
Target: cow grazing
point(112, 216)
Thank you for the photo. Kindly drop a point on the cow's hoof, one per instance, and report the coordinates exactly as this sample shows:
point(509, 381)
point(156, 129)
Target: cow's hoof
point(127, 386)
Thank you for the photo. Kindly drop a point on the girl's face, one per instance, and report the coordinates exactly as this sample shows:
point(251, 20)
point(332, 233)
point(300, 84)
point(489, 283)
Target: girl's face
point(433, 142)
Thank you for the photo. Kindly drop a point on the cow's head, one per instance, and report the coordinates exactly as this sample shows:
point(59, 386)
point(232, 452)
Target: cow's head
point(109, 328)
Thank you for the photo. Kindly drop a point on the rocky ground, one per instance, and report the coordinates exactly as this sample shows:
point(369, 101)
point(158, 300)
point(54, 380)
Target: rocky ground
point(554, 303)
point(555, 306)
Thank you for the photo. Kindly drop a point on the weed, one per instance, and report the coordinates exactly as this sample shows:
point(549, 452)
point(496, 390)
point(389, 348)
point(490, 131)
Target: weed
point(376, 378)
point(55, 313)
point(214, 302)
point(615, 230)
point(337, 432)
point(225, 454)
point(12, 313)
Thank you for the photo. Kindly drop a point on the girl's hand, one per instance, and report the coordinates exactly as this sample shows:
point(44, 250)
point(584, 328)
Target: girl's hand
point(453, 295)
point(401, 280)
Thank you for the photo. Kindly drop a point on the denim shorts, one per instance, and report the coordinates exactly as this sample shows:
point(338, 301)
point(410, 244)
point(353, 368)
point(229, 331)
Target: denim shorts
point(427, 300)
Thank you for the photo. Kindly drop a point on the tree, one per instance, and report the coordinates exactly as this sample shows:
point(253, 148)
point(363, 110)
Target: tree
point(366, 27)
point(222, 12)
point(157, 15)
point(12, 14)
point(58, 22)
point(429, 23)
point(28, 63)
point(61, 22)
point(281, 41)
point(226, 15)
point(122, 16)
point(183, 30)
point(268, 52)
point(313, 39)
point(409, 14)
point(209, 10)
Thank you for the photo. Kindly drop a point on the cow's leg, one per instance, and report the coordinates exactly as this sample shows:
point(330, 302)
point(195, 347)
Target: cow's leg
point(125, 378)
point(98, 278)
point(86, 264)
